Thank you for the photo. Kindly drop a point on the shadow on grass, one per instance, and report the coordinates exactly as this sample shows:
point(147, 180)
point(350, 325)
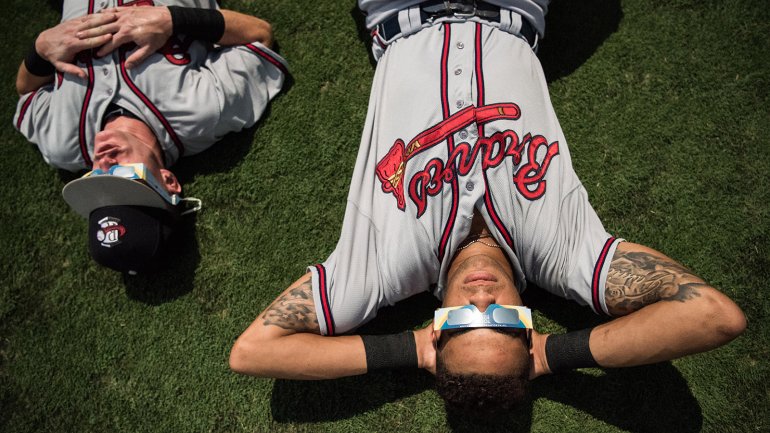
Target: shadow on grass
point(313, 401)
point(176, 275)
point(519, 420)
point(574, 30)
point(331, 400)
point(651, 398)
point(222, 156)
point(641, 399)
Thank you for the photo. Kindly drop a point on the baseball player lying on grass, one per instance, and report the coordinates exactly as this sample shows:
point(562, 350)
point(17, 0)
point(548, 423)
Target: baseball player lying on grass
point(464, 186)
point(125, 88)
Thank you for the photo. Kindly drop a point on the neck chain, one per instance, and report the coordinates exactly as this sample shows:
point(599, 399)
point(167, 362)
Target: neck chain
point(479, 240)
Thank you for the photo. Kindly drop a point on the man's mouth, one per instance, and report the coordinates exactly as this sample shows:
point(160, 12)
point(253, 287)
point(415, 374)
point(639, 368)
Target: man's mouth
point(480, 278)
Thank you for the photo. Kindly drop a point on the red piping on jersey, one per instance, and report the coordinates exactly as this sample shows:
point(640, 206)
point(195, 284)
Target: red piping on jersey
point(481, 101)
point(322, 289)
point(84, 111)
point(86, 101)
point(597, 273)
point(149, 104)
point(493, 214)
point(24, 108)
point(479, 75)
point(450, 140)
point(260, 52)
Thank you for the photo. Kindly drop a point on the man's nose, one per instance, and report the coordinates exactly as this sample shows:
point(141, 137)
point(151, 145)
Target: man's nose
point(104, 161)
point(482, 300)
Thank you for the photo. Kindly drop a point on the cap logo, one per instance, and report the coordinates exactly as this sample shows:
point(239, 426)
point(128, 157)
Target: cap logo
point(110, 231)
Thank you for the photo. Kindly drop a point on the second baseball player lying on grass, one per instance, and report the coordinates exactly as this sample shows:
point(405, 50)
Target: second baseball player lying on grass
point(127, 91)
point(464, 186)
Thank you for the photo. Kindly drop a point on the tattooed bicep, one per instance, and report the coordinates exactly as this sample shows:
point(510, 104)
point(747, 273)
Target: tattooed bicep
point(294, 309)
point(640, 277)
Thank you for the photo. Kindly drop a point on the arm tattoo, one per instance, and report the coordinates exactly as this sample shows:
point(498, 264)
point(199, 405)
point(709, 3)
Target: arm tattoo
point(637, 279)
point(294, 310)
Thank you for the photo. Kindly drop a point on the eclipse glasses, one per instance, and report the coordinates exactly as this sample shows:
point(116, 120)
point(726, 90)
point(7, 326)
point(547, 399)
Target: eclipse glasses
point(495, 316)
point(136, 172)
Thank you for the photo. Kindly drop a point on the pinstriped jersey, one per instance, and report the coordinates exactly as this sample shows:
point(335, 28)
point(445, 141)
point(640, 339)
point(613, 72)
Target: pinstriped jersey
point(189, 93)
point(459, 123)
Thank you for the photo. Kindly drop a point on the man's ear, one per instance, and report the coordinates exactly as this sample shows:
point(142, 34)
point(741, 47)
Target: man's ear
point(170, 181)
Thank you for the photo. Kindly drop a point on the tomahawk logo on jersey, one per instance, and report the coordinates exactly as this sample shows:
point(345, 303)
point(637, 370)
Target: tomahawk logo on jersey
point(428, 181)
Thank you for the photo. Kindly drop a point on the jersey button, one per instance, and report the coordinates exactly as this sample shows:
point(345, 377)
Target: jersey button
point(463, 135)
point(460, 45)
point(460, 104)
point(105, 71)
point(458, 71)
point(469, 186)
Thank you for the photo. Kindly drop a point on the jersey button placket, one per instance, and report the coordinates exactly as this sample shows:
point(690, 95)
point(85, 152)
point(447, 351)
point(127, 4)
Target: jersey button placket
point(460, 64)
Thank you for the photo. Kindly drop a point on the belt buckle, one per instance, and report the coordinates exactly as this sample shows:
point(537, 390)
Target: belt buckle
point(464, 14)
point(464, 9)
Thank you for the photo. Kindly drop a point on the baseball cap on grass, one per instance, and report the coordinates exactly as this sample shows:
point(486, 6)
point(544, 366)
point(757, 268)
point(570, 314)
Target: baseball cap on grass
point(131, 216)
point(130, 239)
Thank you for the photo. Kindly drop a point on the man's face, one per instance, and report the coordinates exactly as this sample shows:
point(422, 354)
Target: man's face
point(129, 141)
point(481, 280)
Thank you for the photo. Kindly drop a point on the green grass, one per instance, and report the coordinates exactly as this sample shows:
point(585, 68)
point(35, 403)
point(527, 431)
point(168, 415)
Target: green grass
point(664, 104)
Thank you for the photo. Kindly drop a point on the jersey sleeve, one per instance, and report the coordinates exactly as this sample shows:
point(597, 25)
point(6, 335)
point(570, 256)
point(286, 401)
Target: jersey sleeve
point(349, 286)
point(574, 262)
point(246, 78)
point(39, 121)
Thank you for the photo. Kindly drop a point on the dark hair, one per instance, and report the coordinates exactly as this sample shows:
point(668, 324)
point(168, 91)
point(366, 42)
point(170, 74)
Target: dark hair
point(479, 395)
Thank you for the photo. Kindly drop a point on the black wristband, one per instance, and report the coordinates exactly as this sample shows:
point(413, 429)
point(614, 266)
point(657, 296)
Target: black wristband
point(567, 351)
point(390, 351)
point(202, 24)
point(37, 65)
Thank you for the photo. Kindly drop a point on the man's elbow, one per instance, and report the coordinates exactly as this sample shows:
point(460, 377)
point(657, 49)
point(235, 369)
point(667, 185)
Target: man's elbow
point(264, 34)
point(244, 357)
point(727, 319)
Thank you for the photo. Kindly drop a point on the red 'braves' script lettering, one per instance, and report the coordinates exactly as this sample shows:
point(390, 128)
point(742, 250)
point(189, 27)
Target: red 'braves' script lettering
point(528, 177)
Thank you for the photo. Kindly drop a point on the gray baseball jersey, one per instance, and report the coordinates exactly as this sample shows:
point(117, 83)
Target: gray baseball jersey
point(459, 122)
point(189, 95)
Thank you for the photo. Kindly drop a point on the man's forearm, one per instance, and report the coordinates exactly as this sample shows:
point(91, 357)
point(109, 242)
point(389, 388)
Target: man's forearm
point(284, 341)
point(667, 330)
point(300, 356)
point(222, 26)
point(242, 29)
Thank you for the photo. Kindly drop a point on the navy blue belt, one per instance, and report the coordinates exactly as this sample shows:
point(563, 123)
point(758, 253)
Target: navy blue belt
point(431, 10)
